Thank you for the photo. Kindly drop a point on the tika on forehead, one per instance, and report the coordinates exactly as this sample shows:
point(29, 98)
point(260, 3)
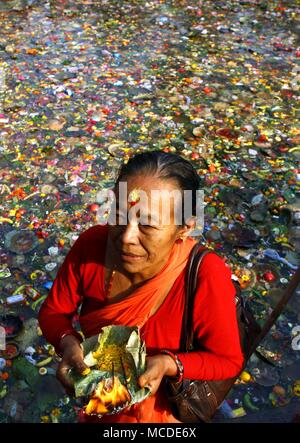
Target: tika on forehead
point(134, 197)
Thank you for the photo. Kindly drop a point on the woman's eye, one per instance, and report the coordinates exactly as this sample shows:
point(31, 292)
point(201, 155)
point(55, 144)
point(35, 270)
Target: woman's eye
point(145, 226)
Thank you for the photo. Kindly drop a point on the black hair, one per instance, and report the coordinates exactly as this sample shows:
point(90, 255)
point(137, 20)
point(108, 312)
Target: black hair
point(165, 166)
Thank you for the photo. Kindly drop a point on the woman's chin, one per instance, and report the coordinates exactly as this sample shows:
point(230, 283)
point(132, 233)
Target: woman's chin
point(133, 267)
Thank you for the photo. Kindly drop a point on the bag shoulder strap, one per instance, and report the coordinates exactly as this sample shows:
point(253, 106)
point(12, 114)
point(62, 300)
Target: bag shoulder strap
point(194, 262)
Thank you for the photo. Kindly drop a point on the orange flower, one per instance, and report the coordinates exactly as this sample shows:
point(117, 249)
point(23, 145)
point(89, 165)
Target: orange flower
point(32, 51)
point(207, 90)
point(5, 375)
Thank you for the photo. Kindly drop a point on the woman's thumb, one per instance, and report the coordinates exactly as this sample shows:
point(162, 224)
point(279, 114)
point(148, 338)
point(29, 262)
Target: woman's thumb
point(141, 381)
point(81, 367)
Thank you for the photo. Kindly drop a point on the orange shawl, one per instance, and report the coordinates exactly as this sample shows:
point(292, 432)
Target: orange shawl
point(135, 310)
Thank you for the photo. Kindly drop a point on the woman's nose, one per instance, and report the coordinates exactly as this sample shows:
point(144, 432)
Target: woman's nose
point(130, 233)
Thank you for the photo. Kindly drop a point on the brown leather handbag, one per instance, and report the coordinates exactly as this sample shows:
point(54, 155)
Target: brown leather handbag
point(194, 401)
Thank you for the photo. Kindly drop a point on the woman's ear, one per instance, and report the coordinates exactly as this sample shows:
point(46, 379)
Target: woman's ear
point(186, 229)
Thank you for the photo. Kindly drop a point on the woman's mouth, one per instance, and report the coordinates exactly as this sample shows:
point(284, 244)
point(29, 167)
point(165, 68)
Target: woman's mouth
point(130, 257)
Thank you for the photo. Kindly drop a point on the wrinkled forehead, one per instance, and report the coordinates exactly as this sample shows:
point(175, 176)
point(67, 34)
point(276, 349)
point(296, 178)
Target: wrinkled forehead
point(147, 183)
point(146, 201)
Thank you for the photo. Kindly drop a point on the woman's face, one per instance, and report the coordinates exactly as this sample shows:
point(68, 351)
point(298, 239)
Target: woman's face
point(144, 241)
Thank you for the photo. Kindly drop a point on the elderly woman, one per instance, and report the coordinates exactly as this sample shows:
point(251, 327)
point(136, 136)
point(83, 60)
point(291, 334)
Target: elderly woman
point(132, 274)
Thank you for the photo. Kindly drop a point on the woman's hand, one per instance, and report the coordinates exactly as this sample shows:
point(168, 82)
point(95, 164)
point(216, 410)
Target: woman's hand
point(157, 367)
point(72, 358)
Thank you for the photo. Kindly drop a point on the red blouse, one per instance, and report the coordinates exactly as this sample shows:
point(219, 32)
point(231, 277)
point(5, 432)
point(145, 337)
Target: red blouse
point(80, 281)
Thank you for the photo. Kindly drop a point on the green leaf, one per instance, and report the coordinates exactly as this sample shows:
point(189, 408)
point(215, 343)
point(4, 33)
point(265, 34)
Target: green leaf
point(22, 369)
point(116, 351)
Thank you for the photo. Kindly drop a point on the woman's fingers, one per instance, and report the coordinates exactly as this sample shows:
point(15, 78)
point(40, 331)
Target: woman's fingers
point(153, 375)
point(63, 377)
point(149, 383)
point(142, 381)
point(145, 380)
point(72, 358)
point(64, 367)
point(81, 367)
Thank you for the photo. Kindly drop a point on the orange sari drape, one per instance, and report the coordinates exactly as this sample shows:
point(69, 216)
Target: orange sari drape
point(135, 310)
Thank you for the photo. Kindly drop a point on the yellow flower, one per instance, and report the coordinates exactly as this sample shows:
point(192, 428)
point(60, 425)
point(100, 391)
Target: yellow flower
point(56, 412)
point(45, 419)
